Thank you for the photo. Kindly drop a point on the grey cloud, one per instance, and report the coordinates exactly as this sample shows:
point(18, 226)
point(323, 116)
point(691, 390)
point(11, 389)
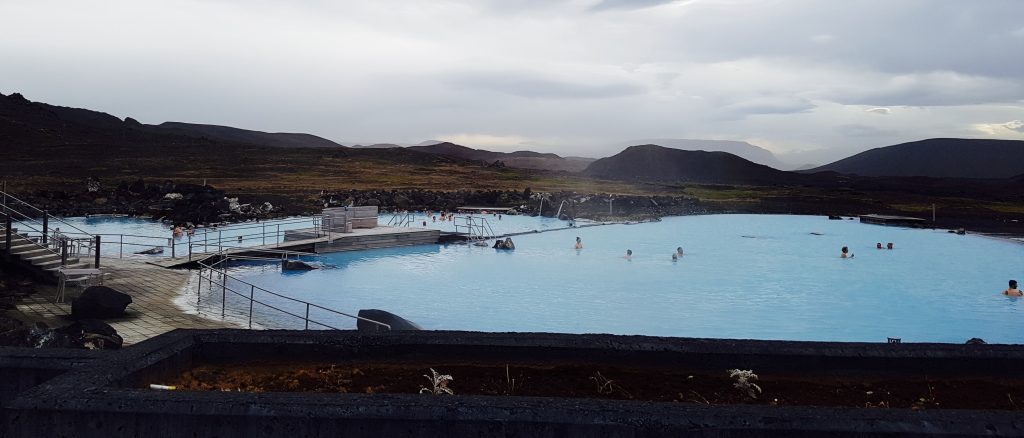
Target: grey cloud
point(932, 89)
point(535, 86)
point(605, 5)
point(1015, 125)
point(882, 111)
point(858, 130)
point(889, 36)
point(769, 105)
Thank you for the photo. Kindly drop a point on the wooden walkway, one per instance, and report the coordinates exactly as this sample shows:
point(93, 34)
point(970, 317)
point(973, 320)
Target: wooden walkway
point(153, 312)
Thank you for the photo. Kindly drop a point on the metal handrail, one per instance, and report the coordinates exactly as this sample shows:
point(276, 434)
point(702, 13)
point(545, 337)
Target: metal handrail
point(403, 220)
point(482, 230)
point(260, 224)
point(59, 242)
point(252, 300)
point(46, 214)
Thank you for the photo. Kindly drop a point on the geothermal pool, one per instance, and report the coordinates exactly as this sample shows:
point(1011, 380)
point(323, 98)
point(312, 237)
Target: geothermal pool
point(742, 276)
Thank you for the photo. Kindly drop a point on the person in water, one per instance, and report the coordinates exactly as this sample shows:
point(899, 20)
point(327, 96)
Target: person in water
point(675, 257)
point(579, 243)
point(1012, 291)
point(889, 245)
point(629, 254)
point(846, 253)
point(679, 251)
point(878, 245)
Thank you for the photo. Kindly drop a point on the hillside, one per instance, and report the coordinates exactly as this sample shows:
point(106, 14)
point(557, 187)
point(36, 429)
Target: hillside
point(238, 135)
point(37, 123)
point(662, 164)
point(521, 159)
point(740, 149)
point(937, 158)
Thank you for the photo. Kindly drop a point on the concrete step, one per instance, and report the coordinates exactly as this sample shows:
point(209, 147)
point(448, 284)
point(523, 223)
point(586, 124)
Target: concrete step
point(362, 246)
point(78, 265)
point(43, 257)
point(52, 263)
point(34, 253)
point(20, 248)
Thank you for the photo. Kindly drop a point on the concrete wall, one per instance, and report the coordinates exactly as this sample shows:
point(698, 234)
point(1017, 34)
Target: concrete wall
point(22, 369)
point(105, 399)
point(358, 217)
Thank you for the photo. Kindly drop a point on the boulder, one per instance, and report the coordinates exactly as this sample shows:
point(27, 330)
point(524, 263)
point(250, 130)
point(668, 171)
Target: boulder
point(296, 265)
point(396, 322)
point(97, 302)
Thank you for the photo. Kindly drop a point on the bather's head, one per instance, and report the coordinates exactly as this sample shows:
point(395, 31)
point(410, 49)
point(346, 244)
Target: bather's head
point(1013, 284)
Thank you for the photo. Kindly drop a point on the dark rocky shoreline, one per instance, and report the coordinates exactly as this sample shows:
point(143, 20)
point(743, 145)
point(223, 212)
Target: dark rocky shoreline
point(185, 204)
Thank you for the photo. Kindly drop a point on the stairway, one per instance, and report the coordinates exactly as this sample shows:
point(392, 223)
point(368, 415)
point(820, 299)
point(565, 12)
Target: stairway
point(345, 242)
point(39, 259)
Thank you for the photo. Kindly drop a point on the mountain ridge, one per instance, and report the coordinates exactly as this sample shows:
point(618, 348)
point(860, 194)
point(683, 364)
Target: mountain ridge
point(655, 163)
point(936, 158)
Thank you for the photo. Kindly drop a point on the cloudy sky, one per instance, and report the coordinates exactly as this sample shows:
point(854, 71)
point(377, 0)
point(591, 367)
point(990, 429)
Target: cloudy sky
point(812, 80)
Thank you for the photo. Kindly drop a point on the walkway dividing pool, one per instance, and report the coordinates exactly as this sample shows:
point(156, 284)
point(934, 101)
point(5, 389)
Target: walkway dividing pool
point(151, 313)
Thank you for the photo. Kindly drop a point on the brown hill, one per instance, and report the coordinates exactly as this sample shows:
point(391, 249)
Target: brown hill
point(522, 159)
point(657, 163)
point(937, 158)
point(238, 135)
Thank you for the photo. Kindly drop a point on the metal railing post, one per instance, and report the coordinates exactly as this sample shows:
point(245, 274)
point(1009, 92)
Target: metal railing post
point(220, 240)
point(277, 237)
point(264, 225)
point(190, 247)
point(63, 252)
point(252, 293)
point(97, 252)
point(46, 225)
point(223, 298)
point(120, 246)
point(172, 247)
point(307, 316)
point(8, 223)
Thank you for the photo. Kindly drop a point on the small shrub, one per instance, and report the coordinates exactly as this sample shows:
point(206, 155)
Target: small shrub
point(743, 381)
point(439, 384)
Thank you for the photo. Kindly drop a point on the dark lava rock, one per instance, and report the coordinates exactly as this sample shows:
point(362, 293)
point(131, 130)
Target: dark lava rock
point(93, 334)
point(296, 265)
point(99, 302)
point(976, 341)
point(396, 322)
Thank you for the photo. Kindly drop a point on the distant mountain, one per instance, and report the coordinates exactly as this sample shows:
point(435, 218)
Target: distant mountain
point(238, 135)
point(521, 159)
point(428, 143)
point(938, 158)
point(22, 121)
point(741, 149)
point(377, 146)
point(657, 163)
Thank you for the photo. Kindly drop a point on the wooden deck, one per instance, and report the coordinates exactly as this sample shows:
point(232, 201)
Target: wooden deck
point(307, 241)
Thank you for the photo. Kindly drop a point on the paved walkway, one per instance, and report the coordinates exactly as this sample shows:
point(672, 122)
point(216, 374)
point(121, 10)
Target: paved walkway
point(151, 313)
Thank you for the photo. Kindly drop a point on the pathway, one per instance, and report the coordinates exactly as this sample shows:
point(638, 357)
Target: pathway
point(152, 312)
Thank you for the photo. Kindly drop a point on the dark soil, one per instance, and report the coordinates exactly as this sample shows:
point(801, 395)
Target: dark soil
point(586, 381)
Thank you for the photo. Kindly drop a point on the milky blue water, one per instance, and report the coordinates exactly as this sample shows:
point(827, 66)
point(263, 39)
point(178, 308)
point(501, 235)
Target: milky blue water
point(742, 276)
point(124, 237)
